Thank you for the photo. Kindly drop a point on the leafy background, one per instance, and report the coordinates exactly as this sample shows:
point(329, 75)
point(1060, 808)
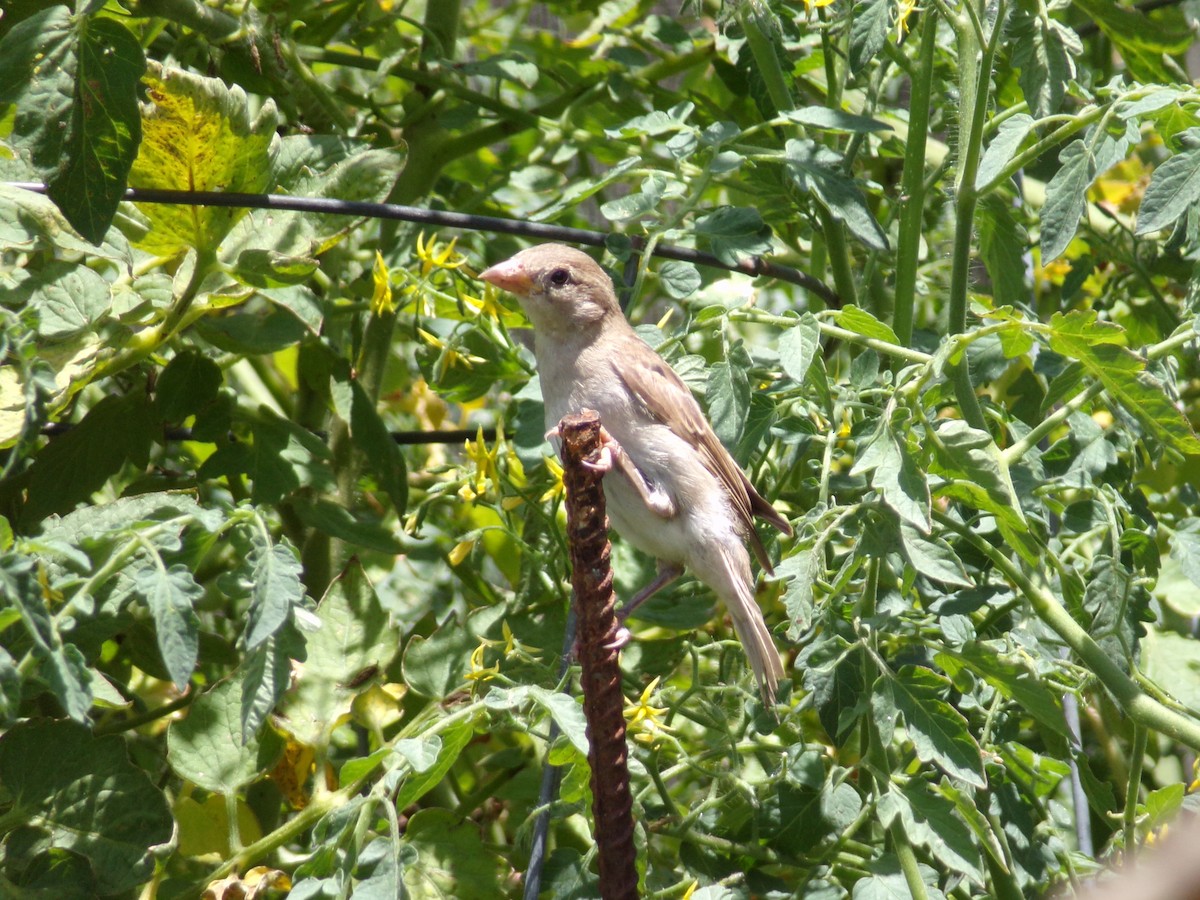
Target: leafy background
point(263, 629)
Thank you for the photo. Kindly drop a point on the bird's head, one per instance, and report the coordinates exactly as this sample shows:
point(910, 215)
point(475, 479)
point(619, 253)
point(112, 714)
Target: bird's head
point(561, 289)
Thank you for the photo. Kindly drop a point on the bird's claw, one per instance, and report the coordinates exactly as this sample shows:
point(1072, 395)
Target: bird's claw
point(620, 639)
point(602, 463)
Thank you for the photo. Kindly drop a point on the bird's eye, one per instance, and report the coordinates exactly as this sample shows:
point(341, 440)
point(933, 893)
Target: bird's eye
point(559, 277)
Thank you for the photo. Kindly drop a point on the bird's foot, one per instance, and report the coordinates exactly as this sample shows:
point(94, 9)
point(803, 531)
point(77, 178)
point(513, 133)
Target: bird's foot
point(620, 639)
point(608, 456)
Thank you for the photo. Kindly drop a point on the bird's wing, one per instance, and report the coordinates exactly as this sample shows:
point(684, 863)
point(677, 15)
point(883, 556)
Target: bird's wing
point(667, 400)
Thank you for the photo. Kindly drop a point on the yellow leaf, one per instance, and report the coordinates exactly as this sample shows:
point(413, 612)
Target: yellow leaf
point(198, 135)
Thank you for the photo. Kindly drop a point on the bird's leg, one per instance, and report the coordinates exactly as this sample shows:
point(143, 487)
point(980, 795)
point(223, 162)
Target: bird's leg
point(613, 456)
point(667, 572)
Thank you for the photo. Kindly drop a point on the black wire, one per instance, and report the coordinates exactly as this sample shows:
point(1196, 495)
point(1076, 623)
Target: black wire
point(404, 438)
point(445, 219)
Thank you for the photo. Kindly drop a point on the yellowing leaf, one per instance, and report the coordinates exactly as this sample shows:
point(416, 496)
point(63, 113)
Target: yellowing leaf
point(198, 135)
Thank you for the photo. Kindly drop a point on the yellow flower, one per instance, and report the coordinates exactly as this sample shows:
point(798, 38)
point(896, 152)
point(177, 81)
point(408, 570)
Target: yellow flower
point(488, 305)
point(905, 10)
point(514, 647)
point(381, 297)
point(485, 463)
point(450, 357)
point(460, 551)
point(432, 257)
point(644, 720)
point(556, 470)
point(817, 4)
point(478, 671)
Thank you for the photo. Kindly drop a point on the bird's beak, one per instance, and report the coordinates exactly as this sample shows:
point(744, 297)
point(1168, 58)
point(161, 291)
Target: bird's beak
point(508, 276)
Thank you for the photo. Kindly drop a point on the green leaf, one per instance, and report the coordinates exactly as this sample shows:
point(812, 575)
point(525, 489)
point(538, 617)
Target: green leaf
point(281, 458)
point(938, 731)
point(68, 299)
point(1011, 673)
point(579, 191)
point(799, 571)
point(862, 322)
point(453, 860)
point(933, 557)
point(74, 465)
point(74, 81)
point(679, 279)
point(373, 439)
point(358, 529)
point(1172, 661)
point(510, 66)
point(976, 474)
point(435, 666)
point(1174, 187)
point(1117, 606)
point(835, 120)
point(930, 821)
point(454, 738)
point(1002, 245)
point(171, 593)
point(728, 396)
point(1044, 51)
point(1157, 98)
point(733, 232)
point(61, 666)
point(1066, 199)
point(275, 588)
point(266, 674)
point(868, 31)
point(1123, 373)
point(198, 134)
point(798, 347)
point(564, 709)
point(189, 383)
point(1185, 548)
point(897, 477)
point(208, 748)
point(818, 170)
point(1142, 41)
point(75, 792)
point(1002, 148)
point(355, 633)
point(654, 123)
point(267, 268)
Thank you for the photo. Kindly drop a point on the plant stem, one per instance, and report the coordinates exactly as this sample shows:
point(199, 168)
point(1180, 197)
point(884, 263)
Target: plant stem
point(1143, 709)
point(912, 184)
point(1129, 820)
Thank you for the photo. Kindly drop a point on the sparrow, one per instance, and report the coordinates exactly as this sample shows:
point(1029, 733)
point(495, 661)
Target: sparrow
point(672, 490)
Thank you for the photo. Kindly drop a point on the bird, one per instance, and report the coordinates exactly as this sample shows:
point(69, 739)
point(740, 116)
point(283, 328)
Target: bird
point(673, 491)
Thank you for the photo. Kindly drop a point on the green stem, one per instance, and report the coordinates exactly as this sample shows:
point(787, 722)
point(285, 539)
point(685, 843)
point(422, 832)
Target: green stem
point(975, 82)
point(331, 106)
point(1143, 709)
point(908, 860)
point(1018, 449)
point(763, 51)
point(1129, 819)
point(150, 339)
point(912, 184)
point(839, 254)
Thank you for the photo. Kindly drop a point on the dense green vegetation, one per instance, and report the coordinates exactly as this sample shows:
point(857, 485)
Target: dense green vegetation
point(260, 624)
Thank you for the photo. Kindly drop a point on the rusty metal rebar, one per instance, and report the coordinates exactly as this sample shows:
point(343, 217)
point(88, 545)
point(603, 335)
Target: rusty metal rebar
point(597, 647)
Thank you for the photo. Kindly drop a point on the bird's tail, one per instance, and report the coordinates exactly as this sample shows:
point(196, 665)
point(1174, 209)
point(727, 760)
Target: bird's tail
point(728, 574)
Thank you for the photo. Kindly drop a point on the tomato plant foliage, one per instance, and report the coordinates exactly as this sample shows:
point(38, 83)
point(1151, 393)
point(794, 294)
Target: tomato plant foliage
point(265, 626)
